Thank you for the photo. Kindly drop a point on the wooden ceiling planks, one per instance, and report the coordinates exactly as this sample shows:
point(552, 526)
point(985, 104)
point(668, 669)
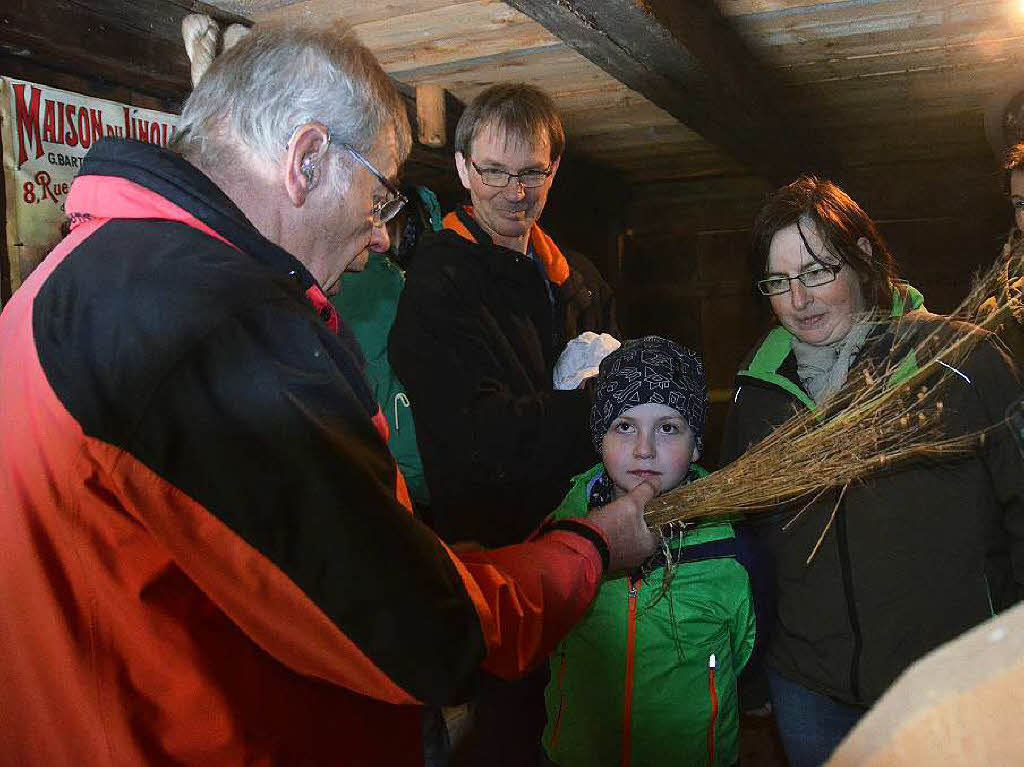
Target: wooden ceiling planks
point(685, 57)
point(868, 79)
point(823, 55)
point(430, 38)
point(861, 62)
point(888, 19)
point(468, 45)
point(551, 68)
point(355, 12)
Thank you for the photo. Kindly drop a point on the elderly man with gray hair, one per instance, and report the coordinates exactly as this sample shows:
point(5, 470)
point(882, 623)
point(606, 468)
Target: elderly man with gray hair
point(206, 550)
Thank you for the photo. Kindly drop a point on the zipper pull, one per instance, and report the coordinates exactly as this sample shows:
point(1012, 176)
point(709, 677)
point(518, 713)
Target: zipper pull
point(400, 399)
point(713, 697)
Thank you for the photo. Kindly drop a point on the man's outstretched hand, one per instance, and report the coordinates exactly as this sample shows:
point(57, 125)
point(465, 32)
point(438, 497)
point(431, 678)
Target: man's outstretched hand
point(630, 541)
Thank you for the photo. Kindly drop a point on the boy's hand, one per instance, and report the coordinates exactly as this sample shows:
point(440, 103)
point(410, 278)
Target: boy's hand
point(630, 541)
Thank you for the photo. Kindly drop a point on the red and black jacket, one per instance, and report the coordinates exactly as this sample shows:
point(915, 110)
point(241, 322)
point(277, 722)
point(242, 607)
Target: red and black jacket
point(206, 552)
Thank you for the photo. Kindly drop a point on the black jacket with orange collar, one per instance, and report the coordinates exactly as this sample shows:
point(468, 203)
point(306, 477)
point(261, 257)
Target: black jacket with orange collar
point(475, 341)
point(206, 553)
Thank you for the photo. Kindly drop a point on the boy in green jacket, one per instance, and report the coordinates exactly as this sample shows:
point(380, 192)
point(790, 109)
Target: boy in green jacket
point(648, 677)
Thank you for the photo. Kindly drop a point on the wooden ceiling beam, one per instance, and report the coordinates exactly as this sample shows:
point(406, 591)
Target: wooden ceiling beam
point(685, 57)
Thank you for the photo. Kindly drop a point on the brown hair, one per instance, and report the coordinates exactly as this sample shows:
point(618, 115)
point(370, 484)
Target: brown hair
point(1015, 157)
point(521, 110)
point(841, 222)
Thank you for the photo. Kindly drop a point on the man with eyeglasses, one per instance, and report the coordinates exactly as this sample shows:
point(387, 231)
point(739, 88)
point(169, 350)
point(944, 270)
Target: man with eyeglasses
point(490, 303)
point(207, 554)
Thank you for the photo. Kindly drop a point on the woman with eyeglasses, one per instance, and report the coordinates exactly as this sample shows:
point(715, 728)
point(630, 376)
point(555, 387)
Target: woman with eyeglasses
point(915, 556)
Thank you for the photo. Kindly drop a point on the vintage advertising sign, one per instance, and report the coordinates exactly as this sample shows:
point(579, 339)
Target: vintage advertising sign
point(46, 133)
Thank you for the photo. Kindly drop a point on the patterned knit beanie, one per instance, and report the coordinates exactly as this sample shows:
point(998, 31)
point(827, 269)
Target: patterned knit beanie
point(650, 369)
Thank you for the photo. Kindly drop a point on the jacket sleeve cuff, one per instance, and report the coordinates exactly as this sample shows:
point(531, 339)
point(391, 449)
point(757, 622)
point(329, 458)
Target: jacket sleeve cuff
point(584, 530)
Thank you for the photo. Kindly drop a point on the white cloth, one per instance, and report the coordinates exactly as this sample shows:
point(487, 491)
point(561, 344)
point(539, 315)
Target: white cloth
point(582, 357)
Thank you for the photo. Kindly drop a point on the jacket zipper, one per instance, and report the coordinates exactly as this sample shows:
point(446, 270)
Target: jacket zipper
point(713, 699)
point(557, 726)
point(844, 559)
point(632, 590)
point(851, 606)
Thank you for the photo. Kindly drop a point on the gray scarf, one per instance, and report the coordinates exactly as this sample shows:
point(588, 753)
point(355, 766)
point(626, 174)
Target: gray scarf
point(823, 369)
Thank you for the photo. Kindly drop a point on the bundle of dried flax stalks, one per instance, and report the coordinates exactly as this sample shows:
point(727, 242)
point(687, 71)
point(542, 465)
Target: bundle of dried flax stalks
point(889, 412)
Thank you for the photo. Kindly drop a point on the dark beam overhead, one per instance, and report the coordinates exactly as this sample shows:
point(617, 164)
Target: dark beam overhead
point(686, 58)
point(136, 43)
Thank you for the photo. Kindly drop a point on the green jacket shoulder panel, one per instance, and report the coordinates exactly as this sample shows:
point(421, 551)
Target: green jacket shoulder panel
point(777, 346)
point(367, 302)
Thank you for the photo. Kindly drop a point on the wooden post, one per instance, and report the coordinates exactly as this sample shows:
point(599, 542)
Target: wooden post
point(430, 116)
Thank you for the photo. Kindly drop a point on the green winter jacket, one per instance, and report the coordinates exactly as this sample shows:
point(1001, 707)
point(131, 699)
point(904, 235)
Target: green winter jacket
point(593, 716)
point(366, 302)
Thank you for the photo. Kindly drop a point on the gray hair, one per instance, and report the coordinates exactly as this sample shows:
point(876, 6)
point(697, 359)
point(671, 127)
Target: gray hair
point(280, 77)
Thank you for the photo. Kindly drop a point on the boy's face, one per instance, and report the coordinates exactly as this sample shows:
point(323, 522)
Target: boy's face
point(648, 440)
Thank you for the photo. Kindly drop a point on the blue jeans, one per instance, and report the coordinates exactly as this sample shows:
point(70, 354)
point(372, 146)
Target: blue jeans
point(811, 725)
point(437, 746)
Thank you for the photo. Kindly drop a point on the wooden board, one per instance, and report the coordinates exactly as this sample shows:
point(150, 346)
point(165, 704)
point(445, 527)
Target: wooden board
point(418, 40)
point(355, 12)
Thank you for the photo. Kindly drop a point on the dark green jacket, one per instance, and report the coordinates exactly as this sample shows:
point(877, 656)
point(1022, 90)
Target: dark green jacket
point(366, 302)
point(915, 556)
point(707, 610)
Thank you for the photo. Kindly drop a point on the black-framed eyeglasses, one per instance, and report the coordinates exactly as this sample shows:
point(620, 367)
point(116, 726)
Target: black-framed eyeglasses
point(382, 210)
point(496, 177)
point(812, 278)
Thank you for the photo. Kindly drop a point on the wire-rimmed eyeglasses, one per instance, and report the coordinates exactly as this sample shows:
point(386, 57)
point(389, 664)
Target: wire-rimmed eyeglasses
point(383, 210)
point(496, 177)
point(812, 278)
